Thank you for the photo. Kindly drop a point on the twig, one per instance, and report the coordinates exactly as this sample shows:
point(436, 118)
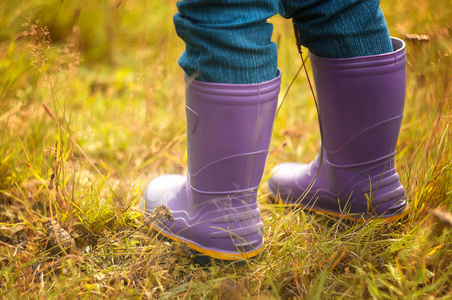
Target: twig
point(6, 244)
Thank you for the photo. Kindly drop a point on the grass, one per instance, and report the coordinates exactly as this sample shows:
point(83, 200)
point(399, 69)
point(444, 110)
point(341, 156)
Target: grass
point(92, 108)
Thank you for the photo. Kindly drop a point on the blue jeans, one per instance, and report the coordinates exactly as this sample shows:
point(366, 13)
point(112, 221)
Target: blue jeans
point(229, 41)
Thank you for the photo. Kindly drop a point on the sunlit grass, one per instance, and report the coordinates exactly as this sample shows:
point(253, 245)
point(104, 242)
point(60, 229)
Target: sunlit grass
point(87, 120)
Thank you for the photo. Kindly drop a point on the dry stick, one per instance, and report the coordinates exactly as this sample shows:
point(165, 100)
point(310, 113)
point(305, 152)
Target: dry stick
point(290, 85)
point(7, 245)
point(298, 42)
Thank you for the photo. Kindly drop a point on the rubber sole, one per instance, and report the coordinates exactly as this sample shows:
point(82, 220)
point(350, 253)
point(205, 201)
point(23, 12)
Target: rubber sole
point(208, 252)
point(359, 219)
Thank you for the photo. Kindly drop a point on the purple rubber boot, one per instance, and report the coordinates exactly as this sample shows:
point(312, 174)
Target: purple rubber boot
point(361, 104)
point(228, 135)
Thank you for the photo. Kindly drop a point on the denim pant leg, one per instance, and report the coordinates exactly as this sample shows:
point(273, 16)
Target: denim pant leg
point(339, 28)
point(227, 41)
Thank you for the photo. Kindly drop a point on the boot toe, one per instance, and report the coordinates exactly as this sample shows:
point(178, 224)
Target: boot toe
point(283, 179)
point(158, 192)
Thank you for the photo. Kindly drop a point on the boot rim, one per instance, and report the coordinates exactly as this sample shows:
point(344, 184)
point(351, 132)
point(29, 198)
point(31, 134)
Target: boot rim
point(246, 94)
point(388, 58)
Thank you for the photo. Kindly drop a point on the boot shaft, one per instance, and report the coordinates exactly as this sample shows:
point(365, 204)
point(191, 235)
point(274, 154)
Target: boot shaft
point(229, 128)
point(361, 103)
